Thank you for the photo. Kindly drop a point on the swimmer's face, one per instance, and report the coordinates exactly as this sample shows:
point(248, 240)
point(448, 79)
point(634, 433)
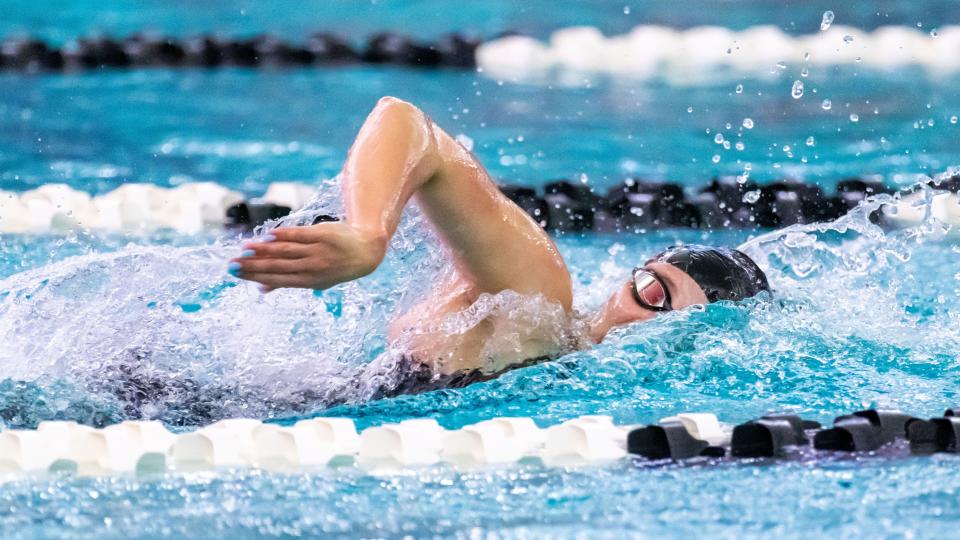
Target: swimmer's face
point(622, 308)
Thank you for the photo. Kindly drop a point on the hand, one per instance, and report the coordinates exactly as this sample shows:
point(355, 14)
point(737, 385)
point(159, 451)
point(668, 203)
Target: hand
point(312, 257)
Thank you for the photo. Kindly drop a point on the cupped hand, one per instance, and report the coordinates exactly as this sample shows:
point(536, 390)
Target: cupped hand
point(312, 257)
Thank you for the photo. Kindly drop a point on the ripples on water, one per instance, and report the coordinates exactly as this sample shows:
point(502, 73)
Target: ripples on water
point(99, 332)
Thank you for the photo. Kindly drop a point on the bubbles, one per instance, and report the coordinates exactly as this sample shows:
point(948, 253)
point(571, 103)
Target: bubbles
point(810, 141)
point(626, 10)
point(826, 105)
point(748, 123)
point(854, 118)
point(715, 158)
point(739, 89)
point(848, 39)
point(953, 119)
point(177, 339)
point(797, 91)
point(718, 138)
point(751, 197)
point(826, 21)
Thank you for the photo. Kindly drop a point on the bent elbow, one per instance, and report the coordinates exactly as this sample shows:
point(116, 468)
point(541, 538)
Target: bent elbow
point(397, 107)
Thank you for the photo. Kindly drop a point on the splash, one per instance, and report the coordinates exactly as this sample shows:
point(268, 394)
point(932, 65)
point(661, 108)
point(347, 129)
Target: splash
point(860, 315)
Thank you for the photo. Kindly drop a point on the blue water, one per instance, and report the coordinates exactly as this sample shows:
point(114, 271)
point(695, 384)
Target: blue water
point(245, 129)
point(861, 316)
point(62, 20)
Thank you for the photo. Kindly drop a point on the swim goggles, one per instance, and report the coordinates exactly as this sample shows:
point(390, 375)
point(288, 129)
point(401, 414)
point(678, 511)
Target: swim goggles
point(650, 291)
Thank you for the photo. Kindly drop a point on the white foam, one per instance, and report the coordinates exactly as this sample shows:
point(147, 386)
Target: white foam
point(654, 50)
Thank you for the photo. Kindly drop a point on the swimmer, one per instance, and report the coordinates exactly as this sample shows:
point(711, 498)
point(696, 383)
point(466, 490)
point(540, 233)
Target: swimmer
point(399, 155)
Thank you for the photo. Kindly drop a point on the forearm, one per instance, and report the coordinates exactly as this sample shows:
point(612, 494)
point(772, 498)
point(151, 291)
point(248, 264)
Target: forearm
point(394, 154)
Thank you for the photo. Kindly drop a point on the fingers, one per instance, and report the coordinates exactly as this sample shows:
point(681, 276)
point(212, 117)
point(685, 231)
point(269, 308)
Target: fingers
point(300, 235)
point(270, 281)
point(269, 266)
point(275, 250)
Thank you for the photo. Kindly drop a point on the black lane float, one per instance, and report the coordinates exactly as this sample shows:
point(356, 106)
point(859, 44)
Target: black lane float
point(636, 205)
point(207, 51)
point(789, 436)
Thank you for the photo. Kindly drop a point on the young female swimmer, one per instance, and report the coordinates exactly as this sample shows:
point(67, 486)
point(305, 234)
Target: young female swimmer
point(399, 155)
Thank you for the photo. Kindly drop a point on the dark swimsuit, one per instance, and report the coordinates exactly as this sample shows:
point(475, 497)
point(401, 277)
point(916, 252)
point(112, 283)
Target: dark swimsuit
point(413, 377)
point(188, 402)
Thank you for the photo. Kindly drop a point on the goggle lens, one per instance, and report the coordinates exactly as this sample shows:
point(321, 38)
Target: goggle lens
point(650, 292)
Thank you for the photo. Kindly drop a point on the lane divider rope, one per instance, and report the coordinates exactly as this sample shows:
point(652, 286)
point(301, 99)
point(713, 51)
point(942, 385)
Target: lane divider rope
point(147, 448)
point(560, 206)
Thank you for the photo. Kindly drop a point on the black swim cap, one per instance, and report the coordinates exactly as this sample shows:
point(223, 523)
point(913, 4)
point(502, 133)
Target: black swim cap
point(722, 273)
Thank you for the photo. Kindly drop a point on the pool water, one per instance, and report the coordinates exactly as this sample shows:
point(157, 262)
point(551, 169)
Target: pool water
point(245, 129)
point(861, 316)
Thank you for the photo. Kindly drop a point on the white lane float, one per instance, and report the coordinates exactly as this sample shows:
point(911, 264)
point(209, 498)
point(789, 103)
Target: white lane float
point(703, 426)
point(308, 443)
point(648, 50)
point(496, 441)
point(586, 439)
point(28, 451)
point(913, 209)
point(410, 443)
point(189, 208)
point(223, 444)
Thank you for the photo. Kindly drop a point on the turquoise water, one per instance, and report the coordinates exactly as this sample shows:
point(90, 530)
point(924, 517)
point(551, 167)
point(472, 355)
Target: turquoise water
point(861, 316)
point(245, 129)
point(61, 20)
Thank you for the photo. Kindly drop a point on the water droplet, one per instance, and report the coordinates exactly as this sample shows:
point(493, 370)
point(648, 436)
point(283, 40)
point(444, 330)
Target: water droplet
point(804, 72)
point(854, 117)
point(827, 104)
point(797, 90)
point(748, 123)
point(739, 145)
point(718, 138)
point(786, 148)
point(626, 10)
point(810, 141)
point(751, 196)
point(934, 33)
point(953, 119)
point(806, 56)
point(739, 89)
point(716, 158)
point(848, 38)
point(726, 145)
point(826, 21)
point(930, 122)
point(689, 109)
point(782, 65)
